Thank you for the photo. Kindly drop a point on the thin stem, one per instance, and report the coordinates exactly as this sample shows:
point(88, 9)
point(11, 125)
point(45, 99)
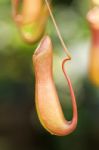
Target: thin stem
point(57, 30)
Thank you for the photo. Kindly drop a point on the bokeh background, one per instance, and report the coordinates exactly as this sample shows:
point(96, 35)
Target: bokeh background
point(20, 128)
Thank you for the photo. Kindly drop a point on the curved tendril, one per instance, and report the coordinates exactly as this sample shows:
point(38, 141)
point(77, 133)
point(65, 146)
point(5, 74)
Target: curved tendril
point(64, 61)
point(71, 89)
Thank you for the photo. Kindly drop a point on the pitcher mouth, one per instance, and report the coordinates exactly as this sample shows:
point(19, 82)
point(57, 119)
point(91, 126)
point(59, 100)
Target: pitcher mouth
point(43, 46)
